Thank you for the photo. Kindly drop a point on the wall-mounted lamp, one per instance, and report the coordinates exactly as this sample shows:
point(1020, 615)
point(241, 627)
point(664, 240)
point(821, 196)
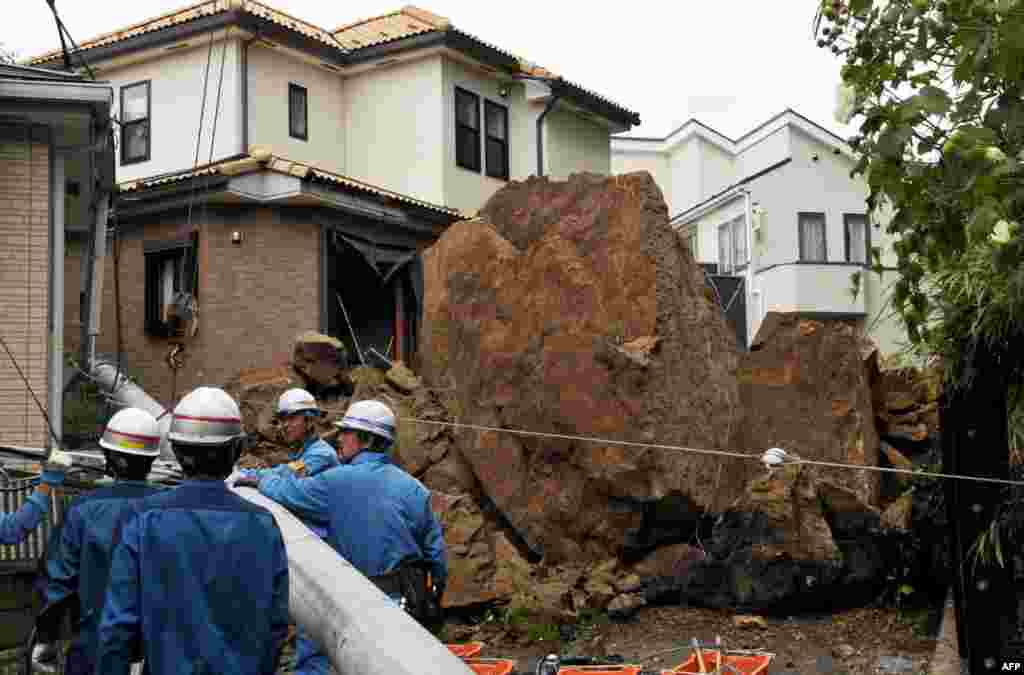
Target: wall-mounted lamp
point(814, 157)
point(504, 91)
point(236, 237)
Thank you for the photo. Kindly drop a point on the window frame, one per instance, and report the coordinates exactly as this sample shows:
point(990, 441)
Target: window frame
point(801, 223)
point(292, 133)
point(867, 237)
point(155, 256)
point(739, 225)
point(459, 126)
point(731, 226)
point(502, 109)
point(147, 122)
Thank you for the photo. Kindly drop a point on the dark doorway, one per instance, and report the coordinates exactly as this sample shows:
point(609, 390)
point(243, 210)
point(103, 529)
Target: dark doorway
point(373, 286)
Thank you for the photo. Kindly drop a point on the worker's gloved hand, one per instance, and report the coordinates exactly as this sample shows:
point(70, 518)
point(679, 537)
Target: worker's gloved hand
point(55, 468)
point(246, 478)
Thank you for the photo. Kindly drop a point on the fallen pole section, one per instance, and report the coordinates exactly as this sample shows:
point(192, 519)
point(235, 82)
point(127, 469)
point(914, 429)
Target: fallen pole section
point(128, 394)
point(359, 629)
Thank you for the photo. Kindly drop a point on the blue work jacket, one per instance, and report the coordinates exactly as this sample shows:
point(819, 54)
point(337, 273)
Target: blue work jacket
point(317, 456)
point(201, 578)
point(79, 559)
point(14, 527)
point(375, 514)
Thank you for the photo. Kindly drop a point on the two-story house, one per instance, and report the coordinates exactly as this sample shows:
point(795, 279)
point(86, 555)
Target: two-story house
point(778, 208)
point(277, 176)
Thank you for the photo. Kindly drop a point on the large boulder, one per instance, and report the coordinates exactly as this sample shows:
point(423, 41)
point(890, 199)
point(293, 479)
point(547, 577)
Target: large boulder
point(573, 308)
point(805, 388)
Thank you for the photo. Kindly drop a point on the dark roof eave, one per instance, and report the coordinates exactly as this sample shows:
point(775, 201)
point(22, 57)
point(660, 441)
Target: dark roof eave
point(589, 102)
point(234, 17)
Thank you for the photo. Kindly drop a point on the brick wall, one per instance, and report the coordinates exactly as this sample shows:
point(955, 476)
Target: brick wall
point(24, 277)
point(254, 298)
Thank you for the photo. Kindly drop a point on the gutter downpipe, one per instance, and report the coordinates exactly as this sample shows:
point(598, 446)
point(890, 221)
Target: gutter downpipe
point(245, 92)
point(555, 95)
point(751, 312)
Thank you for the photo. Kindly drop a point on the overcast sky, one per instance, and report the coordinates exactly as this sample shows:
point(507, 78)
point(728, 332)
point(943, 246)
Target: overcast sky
point(732, 65)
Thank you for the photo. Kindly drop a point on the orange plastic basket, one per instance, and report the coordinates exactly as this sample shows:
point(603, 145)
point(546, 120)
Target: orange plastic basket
point(610, 669)
point(491, 666)
point(747, 664)
point(466, 650)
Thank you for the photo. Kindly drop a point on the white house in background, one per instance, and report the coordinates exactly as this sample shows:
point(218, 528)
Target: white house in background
point(786, 186)
point(404, 101)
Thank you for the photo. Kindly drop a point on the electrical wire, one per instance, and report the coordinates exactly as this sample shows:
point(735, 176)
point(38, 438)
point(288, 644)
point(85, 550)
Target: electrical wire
point(719, 453)
point(63, 31)
point(31, 391)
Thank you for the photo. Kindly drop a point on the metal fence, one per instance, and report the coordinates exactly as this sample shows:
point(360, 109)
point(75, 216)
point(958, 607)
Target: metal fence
point(19, 564)
point(730, 295)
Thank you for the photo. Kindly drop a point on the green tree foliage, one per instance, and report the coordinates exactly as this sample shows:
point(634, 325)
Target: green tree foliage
point(937, 88)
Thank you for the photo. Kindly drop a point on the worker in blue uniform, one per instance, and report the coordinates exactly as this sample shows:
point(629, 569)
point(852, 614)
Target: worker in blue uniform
point(199, 576)
point(297, 411)
point(78, 563)
point(14, 527)
point(376, 515)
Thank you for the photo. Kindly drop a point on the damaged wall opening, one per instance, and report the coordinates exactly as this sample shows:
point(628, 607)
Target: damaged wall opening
point(379, 287)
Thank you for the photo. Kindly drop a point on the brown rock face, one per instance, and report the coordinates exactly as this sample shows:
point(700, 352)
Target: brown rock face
point(321, 359)
point(786, 504)
point(805, 389)
point(573, 308)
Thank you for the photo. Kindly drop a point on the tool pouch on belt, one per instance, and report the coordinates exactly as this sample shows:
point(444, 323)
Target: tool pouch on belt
point(411, 580)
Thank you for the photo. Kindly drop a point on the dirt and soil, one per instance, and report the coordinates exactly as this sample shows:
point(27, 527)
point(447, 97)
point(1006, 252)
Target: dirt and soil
point(857, 641)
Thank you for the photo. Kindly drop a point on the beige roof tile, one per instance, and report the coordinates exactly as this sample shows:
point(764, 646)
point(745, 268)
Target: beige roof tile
point(406, 22)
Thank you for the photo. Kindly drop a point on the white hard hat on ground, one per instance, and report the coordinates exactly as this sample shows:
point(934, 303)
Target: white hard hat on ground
point(206, 416)
point(297, 402)
point(371, 416)
point(134, 432)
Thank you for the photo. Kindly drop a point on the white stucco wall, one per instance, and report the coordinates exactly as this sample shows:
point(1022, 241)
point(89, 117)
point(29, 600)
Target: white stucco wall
point(763, 152)
point(270, 71)
point(394, 126)
point(717, 169)
point(573, 144)
point(655, 163)
point(465, 189)
point(684, 167)
point(176, 96)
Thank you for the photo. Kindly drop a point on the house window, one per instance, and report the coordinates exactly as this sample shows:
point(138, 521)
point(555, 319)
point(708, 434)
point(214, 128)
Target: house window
point(812, 237)
point(467, 130)
point(857, 237)
point(298, 112)
point(135, 110)
point(169, 270)
point(496, 124)
point(732, 246)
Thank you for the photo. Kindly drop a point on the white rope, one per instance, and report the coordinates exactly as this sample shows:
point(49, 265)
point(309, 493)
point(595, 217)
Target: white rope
point(702, 451)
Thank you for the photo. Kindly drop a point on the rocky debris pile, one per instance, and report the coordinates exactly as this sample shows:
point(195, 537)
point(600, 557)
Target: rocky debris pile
point(573, 308)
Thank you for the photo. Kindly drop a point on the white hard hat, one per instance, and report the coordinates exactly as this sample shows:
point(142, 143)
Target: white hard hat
point(297, 401)
point(206, 416)
point(371, 416)
point(134, 432)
